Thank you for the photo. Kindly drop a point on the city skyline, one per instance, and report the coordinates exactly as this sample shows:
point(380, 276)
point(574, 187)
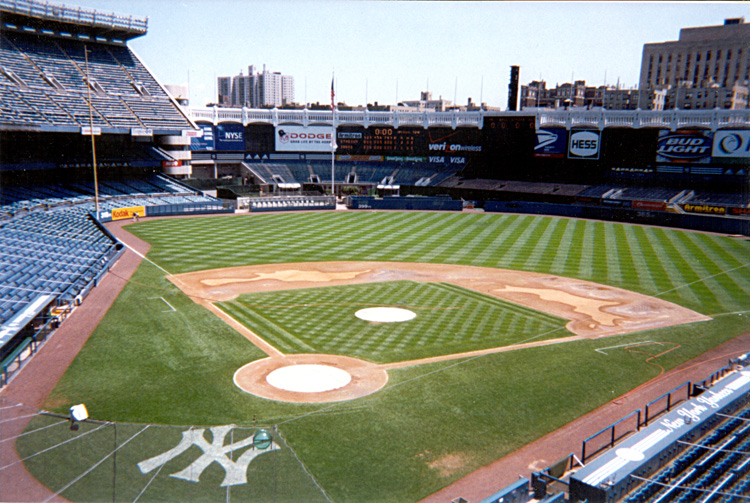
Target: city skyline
point(391, 51)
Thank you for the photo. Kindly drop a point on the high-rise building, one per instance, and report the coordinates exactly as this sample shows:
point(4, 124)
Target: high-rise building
point(224, 85)
point(256, 89)
point(703, 58)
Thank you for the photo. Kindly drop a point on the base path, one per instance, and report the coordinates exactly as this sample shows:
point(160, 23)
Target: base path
point(594, 311)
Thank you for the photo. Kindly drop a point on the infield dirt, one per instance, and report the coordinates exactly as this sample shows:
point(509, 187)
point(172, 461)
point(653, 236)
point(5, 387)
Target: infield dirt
point(594, 310)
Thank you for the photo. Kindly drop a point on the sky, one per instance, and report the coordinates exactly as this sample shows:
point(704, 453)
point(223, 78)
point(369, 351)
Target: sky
point(390, 51)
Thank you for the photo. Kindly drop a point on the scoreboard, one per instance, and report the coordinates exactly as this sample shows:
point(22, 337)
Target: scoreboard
point(381, 140)
point(409, 141)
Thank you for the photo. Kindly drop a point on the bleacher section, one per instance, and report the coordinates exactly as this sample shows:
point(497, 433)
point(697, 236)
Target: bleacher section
point(43, 82)
point(696, 451)
point(48, 257)
point(154, 190)
point(364, 173)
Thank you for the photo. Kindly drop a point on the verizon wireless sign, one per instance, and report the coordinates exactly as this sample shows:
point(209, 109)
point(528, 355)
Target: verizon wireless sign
point(584, 145)
point(303, 139)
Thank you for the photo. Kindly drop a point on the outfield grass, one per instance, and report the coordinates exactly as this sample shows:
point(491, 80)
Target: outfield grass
point(147, 364)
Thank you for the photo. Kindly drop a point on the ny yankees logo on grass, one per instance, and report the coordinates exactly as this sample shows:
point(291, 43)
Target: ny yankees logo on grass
point(235, 472)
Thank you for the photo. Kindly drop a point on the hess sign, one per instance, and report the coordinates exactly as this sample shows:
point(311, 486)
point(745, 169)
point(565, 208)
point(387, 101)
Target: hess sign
point(584, 145)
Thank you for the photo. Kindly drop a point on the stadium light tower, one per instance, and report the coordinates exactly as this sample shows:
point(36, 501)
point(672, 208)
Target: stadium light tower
point(91, 131)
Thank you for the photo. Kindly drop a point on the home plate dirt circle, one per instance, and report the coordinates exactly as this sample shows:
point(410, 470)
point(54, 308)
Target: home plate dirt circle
point(310, 378)
point(385, 314)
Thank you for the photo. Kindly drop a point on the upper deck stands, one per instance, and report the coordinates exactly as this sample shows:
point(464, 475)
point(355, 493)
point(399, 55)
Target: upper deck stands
point(59, 83)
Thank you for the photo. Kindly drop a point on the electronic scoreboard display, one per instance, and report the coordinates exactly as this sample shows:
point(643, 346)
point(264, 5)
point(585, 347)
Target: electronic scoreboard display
point(380, 140)
point(408, 141)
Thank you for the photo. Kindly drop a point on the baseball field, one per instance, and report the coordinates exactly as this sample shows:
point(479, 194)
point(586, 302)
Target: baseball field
point(517, 325)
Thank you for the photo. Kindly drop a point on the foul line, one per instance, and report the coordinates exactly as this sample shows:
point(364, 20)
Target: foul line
point(144, 258)
point(167, 303)
point(601, 350)
point(702, 279)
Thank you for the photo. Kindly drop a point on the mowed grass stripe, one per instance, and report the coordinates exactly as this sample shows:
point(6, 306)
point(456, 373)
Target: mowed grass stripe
point(449, 319)
point(492, 253)
point(392, 235)
point(563, 237)
point(658, 272)
point(573, 257)
point(274, 334)
point(439, 246)
point(519, 249)
point(702, 270)
point(678, 275)
point(722, 286)
point(485, 228)
point(546, 242)
point(609, 245)
point(644, 278)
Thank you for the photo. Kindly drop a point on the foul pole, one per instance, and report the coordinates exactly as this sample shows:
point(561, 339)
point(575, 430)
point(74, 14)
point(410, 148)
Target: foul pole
point(333, 142)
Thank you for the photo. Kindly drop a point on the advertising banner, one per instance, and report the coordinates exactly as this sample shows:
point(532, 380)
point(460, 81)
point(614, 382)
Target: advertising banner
point(684, 146)
point(731, 144)
point(705, 209)
point(291, 138)
point(205, 142)
point(123, 213)
point(551, 142)
point(230, 136)
point(584, 144)
point(650, 205)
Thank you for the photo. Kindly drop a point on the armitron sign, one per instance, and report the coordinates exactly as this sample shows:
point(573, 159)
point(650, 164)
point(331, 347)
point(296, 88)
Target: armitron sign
point(707, 209)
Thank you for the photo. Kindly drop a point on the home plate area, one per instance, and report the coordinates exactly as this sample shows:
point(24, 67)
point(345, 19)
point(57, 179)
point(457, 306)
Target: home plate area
point(310, 378)
point(319, 378)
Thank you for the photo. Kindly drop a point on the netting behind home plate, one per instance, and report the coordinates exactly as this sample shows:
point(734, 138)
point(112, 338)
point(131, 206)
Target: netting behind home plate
point(120, 462)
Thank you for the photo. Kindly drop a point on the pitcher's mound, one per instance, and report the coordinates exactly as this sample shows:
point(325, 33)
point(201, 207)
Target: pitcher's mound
point(385, 314)
point(310, 378)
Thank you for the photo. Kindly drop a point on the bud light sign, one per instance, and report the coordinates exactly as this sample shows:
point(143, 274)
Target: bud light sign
point(686, 146)
point(584, 145)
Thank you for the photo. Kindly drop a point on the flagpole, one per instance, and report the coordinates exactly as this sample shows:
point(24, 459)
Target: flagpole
point(333, 143)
